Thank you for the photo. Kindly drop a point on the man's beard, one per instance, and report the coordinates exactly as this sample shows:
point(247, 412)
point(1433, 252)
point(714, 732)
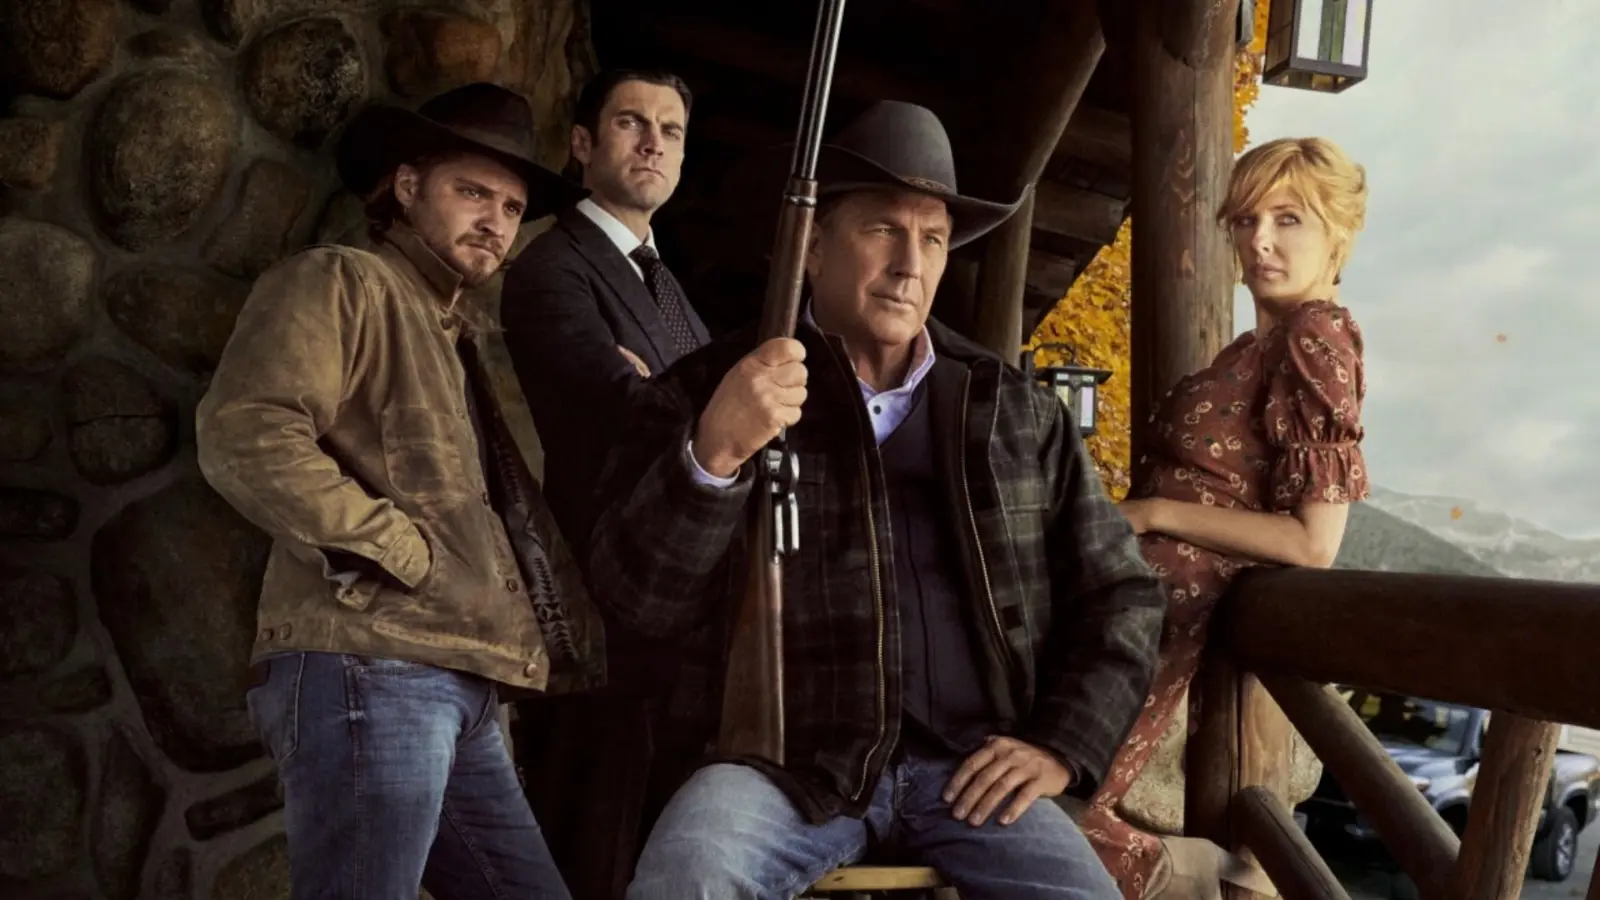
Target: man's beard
point(474, 275)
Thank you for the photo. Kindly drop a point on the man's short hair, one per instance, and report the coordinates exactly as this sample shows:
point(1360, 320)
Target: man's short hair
point(595, 94)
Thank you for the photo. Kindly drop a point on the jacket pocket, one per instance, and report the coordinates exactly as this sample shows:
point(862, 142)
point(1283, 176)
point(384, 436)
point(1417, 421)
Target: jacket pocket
point(422, 456)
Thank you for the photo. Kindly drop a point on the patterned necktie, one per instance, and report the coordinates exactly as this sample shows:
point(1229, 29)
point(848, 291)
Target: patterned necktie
point(668, 298)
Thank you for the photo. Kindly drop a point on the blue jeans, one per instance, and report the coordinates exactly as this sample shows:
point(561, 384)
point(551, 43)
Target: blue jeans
point(395, 776)
point(730, 833)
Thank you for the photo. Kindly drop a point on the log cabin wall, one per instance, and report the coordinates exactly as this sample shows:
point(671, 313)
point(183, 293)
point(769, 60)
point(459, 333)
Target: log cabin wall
point(155, 156)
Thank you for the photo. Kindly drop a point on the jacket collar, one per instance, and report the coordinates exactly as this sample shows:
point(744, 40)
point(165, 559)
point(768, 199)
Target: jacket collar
point(624, 239)
point(922, 358)
point(403, 246)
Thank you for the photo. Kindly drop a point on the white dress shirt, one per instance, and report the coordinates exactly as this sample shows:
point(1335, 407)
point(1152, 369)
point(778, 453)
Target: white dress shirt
point(620, 234)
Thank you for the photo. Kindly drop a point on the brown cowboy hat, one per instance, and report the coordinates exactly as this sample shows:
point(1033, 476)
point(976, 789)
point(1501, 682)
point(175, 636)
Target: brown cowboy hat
point(477, 118)
point(898, 144)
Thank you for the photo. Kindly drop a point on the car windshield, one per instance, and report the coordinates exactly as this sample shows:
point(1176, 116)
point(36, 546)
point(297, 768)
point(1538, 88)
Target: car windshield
point(1437, 726)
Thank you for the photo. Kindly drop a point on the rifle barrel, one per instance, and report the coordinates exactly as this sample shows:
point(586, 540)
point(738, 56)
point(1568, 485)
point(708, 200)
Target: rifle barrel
point(819, 83)
point(752, 700)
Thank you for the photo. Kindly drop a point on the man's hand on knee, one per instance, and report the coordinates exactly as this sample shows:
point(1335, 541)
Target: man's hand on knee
point(1004, 767)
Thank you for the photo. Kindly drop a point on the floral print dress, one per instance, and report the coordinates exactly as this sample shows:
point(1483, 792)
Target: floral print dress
point(1272, 423)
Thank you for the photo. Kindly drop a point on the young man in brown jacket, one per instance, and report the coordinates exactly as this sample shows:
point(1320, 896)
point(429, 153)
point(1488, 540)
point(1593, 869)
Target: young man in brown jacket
point(349, 419)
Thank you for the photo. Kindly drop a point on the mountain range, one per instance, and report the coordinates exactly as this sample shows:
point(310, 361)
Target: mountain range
point(1399, 532)
point(1511, 546)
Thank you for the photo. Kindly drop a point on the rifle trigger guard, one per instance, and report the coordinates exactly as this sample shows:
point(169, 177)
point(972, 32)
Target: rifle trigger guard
point(783, 472)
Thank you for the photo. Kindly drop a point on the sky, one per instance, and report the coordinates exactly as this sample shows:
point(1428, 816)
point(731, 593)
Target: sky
point(1479, 127)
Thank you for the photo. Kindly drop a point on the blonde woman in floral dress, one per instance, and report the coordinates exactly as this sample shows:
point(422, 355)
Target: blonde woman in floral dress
point(1254, 459)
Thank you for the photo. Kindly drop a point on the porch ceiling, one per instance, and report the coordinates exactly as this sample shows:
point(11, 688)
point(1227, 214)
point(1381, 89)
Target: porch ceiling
point(746, 64)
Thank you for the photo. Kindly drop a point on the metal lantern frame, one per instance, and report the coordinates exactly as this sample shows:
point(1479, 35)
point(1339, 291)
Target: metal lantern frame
point(1077, 386)
point(1283, 65)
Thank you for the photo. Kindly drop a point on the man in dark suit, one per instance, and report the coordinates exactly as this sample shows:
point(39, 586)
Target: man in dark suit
point(588, 307)
point(590, 312)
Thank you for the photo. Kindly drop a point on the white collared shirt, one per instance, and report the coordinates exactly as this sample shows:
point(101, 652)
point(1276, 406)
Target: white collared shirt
point(888, 408)
point(620, 234)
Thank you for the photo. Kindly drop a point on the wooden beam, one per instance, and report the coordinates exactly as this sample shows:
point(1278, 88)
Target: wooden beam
point(1075, 213)
point(1055, 54)
point(1182, 117)
point(1002, 278)
point(1265, 748)
point(1513, 779)
point(1514, 645)
point(1050, 275)
point(1412, 831)
point(1296, 868)
point(1211, 773)
point(879, 878)
point(956, 302)
point(1045, 81)
point(781, 59)
point(1188, 26)
point(1098, 136)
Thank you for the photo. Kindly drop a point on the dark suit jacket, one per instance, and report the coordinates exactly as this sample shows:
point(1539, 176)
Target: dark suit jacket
point(568, 301)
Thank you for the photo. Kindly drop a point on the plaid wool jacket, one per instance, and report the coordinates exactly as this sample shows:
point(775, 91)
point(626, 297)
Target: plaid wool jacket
point(1068, 613)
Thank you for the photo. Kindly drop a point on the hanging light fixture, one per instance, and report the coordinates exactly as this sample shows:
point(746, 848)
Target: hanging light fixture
point(1317, 45)
point(1077, 386)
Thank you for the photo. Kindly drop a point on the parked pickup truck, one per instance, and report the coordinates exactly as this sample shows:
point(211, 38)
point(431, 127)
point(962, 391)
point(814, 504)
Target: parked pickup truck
point(1439, 746)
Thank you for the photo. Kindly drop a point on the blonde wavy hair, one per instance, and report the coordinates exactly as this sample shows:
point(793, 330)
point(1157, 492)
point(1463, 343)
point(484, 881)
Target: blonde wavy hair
point(1317, 173)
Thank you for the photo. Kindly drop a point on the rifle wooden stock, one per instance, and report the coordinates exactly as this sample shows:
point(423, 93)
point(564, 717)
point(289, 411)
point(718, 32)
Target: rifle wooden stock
point(752, 699)
point(752, 696)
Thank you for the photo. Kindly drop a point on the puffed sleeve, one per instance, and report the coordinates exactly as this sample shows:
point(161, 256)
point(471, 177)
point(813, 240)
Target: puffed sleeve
point(1315, 384)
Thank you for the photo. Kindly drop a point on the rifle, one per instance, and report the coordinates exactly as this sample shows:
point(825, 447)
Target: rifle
point(752, 696)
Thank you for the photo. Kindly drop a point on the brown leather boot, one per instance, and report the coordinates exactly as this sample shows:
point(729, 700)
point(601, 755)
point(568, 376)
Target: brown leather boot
point(1196, 869)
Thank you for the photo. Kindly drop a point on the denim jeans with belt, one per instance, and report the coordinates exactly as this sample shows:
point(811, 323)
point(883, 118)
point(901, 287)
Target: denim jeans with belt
point(395, 776)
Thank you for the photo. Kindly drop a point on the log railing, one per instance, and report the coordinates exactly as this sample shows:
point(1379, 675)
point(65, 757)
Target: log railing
point(1519, 648)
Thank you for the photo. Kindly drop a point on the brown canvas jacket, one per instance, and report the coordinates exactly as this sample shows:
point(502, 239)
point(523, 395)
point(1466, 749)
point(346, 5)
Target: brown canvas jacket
point(338, 422)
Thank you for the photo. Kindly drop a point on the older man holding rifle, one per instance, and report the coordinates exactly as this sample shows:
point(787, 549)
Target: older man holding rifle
point(967, 623)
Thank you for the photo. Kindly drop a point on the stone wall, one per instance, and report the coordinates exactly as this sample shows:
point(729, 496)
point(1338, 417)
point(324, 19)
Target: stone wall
point(155, 156)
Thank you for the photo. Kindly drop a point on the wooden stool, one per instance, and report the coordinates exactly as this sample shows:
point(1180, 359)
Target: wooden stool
point(879, 881)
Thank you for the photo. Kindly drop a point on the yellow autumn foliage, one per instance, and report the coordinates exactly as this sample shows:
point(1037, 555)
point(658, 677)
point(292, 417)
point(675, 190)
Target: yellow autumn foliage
point(1094, 315)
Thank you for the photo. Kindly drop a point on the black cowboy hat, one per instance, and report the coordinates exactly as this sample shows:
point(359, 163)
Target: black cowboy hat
point(478, 118)
point(903, 145)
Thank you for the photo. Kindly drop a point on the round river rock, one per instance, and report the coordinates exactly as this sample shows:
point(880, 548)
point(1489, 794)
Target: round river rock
point(183, 317)
point(38, 621)
point(43, 796)
point(160, 150)
point(119, 428)
point(56, 47)
point(302, 79)
point(176, 577)
point(46, 273)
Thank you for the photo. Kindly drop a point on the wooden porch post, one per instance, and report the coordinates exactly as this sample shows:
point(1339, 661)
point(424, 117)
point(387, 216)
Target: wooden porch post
point(1513, 779)
point(1002, 281)
point(1182, 121)
point(1044, 89)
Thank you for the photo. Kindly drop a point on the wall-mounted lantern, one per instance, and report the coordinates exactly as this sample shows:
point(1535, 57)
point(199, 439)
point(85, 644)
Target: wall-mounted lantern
point(1317, 45)
point(1077, 386)
point(1244, 28)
